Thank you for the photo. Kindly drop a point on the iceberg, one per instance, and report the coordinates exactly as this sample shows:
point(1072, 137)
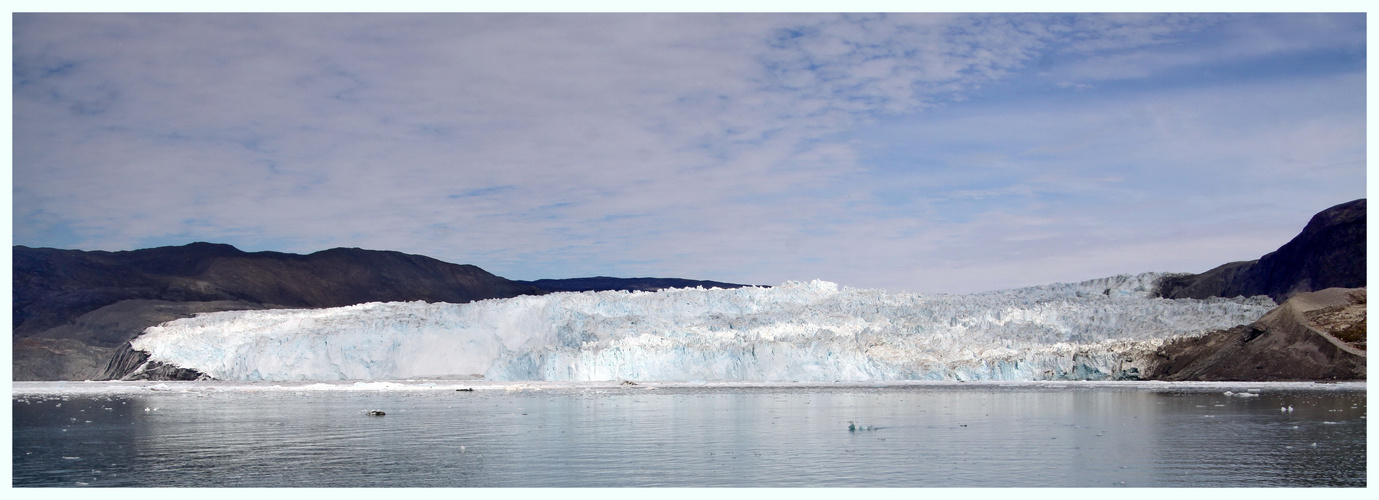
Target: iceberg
point(816, 331)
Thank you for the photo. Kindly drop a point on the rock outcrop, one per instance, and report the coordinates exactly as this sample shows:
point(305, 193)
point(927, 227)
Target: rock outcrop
point(58, 359)
point(1312, 336)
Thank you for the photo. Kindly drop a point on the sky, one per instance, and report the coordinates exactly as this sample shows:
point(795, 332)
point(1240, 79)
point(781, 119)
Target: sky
point(909, 152)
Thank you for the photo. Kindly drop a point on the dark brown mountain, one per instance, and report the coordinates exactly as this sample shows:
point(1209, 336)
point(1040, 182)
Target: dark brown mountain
point(73, 309)
point(1317, 333)
point(1329, 252)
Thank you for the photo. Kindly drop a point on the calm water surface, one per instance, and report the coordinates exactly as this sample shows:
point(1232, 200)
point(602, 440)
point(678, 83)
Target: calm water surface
point(979, 436)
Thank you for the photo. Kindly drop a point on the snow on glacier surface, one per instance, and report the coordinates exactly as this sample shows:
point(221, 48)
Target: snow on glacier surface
point(1094, 330)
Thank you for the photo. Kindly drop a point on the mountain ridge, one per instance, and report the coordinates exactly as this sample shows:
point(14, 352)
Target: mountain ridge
point(1329, 252)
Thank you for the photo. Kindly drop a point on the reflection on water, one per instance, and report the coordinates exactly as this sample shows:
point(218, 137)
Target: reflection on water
point(919, 436)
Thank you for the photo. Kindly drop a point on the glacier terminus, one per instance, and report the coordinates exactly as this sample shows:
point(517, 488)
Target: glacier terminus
point(817, 331)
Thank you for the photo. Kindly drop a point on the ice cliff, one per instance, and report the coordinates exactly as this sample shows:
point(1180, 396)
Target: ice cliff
point(1095, 330)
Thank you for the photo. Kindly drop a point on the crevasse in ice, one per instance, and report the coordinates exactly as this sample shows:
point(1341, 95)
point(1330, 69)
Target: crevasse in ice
point(817, 331)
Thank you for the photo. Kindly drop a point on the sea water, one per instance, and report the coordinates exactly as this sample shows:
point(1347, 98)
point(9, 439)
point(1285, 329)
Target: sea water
point(484, 434)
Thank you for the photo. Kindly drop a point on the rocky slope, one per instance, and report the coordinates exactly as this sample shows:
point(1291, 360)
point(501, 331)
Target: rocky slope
point(1312, 336)
point(1329, 252)
point(86, 347)
point(1318, 333)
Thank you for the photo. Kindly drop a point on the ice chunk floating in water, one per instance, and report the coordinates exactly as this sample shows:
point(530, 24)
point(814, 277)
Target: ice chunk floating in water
point(1094, 330)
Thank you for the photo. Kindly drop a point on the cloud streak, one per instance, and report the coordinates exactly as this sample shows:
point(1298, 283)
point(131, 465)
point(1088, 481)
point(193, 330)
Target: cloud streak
point(912, 152)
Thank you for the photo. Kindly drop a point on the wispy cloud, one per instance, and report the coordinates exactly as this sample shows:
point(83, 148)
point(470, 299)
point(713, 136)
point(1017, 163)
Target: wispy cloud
point(876, 150)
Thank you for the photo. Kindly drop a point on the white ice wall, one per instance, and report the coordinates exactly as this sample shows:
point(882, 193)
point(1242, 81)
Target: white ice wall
point(798, 331)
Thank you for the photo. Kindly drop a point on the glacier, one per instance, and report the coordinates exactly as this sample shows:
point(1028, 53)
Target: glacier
point(817, 331)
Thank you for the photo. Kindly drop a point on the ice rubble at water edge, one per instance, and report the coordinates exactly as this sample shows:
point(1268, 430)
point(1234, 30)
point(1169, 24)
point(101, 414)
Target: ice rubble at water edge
point(1094, 330)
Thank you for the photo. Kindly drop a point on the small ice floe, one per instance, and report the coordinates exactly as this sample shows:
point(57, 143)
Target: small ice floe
point(853, 427)
point(71, 458)
point(147, 409)
point(1330, 423)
